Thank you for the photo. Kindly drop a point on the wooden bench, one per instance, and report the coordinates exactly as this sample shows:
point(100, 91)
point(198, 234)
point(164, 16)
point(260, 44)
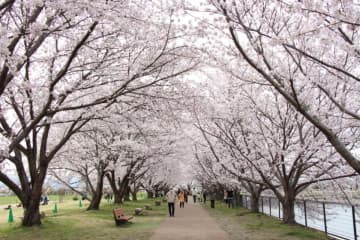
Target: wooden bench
point(120, 217)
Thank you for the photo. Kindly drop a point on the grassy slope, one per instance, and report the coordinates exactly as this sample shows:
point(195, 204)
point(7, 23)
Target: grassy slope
point(242, 224)
point(72, 222)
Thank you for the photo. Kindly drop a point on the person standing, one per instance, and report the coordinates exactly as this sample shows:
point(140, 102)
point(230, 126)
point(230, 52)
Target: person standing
point(46, 200)
point(194, 195)
point(225, 197)
point(199, 196)
point(204, 196)
point(181, 199)
point(230, 196)
point(212, 199)
point(171, 199)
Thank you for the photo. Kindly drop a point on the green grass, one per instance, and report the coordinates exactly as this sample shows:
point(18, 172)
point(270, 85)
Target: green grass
point(72, 222)
point(6, 200)
point(243, 224)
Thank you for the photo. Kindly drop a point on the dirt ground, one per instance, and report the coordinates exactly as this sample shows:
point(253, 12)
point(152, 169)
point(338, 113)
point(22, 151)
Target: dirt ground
point(191, 222)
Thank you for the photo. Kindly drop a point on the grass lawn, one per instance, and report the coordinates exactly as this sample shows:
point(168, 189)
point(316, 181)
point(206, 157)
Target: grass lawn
point(6, 200)
point(73, 222)
point(243, 224)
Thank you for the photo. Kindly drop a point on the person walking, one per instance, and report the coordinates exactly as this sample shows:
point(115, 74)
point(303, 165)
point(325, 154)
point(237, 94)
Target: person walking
point(182, 199)
point(171, 199)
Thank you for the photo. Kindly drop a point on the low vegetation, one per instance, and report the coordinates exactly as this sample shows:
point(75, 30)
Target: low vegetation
point(242, 224)
point(74, 222)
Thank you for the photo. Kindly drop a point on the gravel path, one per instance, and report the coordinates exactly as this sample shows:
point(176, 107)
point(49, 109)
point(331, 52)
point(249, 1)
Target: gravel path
point(191, 222)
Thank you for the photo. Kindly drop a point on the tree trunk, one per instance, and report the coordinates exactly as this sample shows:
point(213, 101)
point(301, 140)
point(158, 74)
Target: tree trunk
point(119, 187)
point(32, 213)
point(31, 206)
point(288, 211)
point(97, 195)
point(133, 195)
point(95, 202)
point(121, 192)
point(241, 200)
point(254, 204)
point(118, 197)
point(150, 194)
point(127, 194)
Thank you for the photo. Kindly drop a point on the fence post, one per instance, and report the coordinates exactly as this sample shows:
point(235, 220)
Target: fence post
point(270, 205)
point(354, 222)
point(279, 209)
point(325, 225)
point(305, 213)
point(262, 205)
point(246, 202)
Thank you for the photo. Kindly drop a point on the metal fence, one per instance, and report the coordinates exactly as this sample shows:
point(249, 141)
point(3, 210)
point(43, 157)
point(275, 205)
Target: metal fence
point(337, 220)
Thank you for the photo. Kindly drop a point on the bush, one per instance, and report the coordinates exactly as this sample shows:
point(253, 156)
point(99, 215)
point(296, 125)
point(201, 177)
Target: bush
point(75, 198)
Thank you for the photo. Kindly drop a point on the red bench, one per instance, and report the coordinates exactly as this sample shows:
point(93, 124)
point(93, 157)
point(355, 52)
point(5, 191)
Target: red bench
point(120, 217)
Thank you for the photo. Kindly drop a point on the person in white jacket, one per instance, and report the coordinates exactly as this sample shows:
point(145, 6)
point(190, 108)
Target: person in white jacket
point(171, 197)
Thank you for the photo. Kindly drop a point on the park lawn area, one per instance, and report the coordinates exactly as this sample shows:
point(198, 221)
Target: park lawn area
point(73, 222)
point(242, 224)
point(6, 200)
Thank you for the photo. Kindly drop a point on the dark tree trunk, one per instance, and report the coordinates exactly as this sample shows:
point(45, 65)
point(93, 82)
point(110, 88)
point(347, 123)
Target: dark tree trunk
point(31, 214)
point(288, 210)
point(254, 204)
point(255, 191)
point(238, 198)
point(133, 195)
point(95, 202)
point(31, 211)
point(31, 205)
point(127, 194)
point(241, 200)
point(118, 197)
point(120, 192)
point(150, 194)
point(119, 187)
point(97, 195)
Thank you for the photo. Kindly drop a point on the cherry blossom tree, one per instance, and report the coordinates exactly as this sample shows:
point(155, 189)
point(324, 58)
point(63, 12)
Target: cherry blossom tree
point(64, 64)
point(266, 143)
point(307, 51)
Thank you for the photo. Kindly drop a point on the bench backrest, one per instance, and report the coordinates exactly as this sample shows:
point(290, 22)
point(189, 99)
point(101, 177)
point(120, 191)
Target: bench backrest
point(118, 213)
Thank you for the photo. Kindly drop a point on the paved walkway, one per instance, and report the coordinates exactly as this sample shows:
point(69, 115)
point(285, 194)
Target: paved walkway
point(191, 222)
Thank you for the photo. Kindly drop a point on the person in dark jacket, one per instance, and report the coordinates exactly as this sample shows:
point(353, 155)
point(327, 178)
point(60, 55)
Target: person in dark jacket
point(204, 196)
point(230, 197)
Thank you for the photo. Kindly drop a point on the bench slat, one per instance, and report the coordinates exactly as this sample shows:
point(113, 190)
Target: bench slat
point(120, 217)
